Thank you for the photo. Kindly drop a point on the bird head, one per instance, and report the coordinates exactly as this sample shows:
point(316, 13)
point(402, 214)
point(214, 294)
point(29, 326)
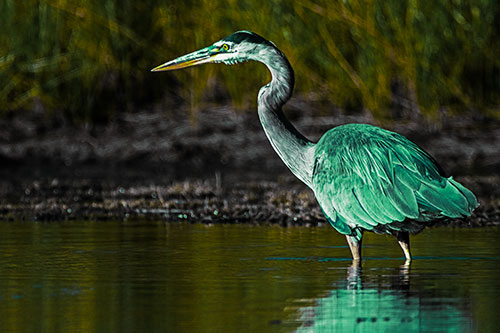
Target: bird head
point(238, 47)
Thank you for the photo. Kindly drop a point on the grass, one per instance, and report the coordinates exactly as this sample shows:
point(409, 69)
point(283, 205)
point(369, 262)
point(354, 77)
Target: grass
point(89, 60)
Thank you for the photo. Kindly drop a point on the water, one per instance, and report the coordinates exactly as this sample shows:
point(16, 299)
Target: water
point(147, 276)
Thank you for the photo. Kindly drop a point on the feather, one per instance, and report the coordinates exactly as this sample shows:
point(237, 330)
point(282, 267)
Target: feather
point(469, 196)
point(332, 215)
point(379, 207)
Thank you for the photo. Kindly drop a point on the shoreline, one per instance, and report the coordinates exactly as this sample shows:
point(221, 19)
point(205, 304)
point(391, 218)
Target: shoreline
point(151, 165)
point(284, 202)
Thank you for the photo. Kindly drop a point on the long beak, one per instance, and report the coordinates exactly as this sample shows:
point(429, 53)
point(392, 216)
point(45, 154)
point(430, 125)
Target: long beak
point(199, 57)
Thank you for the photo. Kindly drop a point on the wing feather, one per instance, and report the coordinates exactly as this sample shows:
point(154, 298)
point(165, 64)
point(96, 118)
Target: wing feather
point(365, 176)
point(379, 207)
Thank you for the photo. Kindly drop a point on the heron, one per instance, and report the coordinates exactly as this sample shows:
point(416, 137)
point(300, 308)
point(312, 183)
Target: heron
point(364, 178)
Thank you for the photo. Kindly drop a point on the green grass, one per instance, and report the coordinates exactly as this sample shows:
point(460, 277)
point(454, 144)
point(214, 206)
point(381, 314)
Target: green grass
point(91, 59)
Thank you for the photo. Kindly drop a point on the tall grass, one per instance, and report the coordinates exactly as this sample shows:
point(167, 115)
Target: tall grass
point(91, 59)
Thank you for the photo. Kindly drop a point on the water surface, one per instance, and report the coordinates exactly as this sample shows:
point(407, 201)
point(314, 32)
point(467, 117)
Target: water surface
point(156, 276)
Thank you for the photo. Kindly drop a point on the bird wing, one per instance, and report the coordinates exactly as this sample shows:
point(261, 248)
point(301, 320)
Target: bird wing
point(365, 176)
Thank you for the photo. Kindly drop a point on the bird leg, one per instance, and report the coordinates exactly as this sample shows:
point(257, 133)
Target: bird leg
point(355, 246)
point(404, 241)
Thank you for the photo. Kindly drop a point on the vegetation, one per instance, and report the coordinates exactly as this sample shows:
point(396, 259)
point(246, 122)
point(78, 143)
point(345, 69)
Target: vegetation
point(91, 59)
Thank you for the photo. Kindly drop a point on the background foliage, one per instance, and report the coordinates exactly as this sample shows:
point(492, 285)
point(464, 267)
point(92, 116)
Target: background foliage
point(91, 59)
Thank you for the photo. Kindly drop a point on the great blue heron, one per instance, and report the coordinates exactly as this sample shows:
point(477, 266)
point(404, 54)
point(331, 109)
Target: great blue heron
point(364, 177)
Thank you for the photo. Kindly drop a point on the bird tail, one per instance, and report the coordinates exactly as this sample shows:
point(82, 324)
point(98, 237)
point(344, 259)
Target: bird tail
point(472, 202)
point(448, 198)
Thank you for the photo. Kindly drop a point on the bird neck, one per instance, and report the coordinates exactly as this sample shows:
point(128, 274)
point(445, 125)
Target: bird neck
point(296, 151)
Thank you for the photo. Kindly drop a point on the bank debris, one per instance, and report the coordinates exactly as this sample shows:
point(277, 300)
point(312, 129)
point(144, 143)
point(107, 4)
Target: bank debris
point(285, 202)
point(219, 169)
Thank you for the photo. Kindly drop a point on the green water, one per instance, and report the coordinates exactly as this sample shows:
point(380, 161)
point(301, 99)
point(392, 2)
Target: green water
point(147, 276)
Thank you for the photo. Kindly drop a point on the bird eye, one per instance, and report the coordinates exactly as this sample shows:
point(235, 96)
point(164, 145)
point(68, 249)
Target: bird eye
point(225, 47)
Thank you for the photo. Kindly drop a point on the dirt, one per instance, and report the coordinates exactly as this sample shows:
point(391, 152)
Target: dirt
point(219, 169)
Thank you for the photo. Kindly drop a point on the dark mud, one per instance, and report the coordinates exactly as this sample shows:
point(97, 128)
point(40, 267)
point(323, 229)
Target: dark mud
point(215, 200)
point(220, 169)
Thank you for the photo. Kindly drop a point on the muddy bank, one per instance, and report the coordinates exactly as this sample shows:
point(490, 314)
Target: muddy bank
point(171, 143)
point(219, 169)
point(215, 200)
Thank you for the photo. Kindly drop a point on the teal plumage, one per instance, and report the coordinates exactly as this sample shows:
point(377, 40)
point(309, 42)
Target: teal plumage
point(370, 178)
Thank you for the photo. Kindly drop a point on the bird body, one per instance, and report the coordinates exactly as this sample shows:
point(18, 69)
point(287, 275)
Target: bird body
point(364, 177)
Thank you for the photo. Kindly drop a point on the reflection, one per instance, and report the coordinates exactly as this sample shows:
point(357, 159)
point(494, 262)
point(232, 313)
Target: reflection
point(149, 276)
point(382, 303)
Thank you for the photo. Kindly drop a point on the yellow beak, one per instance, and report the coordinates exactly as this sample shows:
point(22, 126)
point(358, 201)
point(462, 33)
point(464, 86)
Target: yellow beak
point(199, 57)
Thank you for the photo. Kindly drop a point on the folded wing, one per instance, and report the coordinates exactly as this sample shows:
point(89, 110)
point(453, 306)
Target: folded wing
point(367, 177)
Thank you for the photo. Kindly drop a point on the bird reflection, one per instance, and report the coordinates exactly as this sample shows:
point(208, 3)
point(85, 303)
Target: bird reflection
point(399, 282)
point(381, 302)
point(354, 275)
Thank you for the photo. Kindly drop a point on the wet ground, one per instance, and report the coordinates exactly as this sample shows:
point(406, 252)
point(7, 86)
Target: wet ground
point(219, 199)
point(219, 168)
point(158, 276)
